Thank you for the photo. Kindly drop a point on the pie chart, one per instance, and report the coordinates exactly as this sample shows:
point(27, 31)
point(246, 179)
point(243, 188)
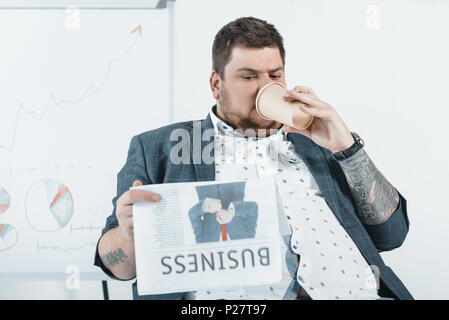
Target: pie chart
point(5, 200)
point(8, 236)
point(49, 205)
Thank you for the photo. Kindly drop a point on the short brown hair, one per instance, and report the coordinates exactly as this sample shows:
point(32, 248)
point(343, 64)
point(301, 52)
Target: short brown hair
point(247, 32)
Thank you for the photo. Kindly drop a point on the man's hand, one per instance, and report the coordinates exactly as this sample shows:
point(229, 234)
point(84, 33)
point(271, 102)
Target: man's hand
point(327, 129)
point(375, 198)
point(211, 205)
point(124, 208)
point(225, 216)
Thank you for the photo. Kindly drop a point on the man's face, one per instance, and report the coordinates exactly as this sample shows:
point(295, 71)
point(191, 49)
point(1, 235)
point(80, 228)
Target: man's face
point(245, 74)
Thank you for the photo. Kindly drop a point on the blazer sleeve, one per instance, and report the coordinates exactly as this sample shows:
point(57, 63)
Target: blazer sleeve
point(134, 169)
point(391, 233)
point(387, 235)
point(248, 211)
point(196, 214)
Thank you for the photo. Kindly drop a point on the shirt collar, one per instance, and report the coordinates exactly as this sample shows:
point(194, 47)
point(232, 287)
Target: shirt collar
point(223, 128)
point(214, 118)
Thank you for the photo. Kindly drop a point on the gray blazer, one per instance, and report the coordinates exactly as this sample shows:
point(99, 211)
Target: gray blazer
point(205, 225)
point(149, 161)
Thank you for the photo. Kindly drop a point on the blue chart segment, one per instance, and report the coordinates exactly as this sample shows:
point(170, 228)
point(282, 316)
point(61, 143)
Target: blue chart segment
point(5, 200)
point(8, 237)
point(49, 205)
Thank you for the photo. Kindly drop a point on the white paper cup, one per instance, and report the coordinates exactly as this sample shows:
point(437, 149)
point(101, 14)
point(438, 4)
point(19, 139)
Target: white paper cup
point(270, 105)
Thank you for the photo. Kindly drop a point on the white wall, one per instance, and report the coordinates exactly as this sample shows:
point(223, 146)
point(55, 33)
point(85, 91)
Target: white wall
point(382, 65)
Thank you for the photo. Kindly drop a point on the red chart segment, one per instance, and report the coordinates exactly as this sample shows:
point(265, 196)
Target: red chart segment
point(5, 200)
point(49, 205)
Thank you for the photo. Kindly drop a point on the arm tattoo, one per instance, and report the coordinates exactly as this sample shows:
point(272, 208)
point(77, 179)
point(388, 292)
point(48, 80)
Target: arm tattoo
point(375, 198)
point(113, 258)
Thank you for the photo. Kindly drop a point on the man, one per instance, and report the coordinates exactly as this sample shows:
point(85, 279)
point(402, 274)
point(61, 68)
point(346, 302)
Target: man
point(222, 213)
point(322, 169)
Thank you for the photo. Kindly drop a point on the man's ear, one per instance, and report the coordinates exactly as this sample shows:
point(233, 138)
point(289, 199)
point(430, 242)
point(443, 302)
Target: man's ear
point(215, 82)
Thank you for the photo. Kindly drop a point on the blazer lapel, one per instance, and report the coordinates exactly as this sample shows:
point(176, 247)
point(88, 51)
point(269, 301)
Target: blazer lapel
point(203, 171)
point(316, 160)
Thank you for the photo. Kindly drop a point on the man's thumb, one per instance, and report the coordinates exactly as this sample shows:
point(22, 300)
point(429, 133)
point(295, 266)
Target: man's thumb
point(137, 183)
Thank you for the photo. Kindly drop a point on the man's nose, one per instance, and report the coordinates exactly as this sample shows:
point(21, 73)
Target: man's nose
point(264, 80)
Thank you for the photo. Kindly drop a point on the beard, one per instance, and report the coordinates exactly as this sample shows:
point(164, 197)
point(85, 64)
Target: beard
point(250, 124)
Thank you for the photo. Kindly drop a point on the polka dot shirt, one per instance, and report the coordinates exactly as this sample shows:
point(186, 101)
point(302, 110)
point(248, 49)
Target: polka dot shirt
point(330, 264)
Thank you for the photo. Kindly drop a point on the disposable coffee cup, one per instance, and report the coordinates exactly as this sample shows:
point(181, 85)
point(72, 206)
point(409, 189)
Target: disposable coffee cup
point(270, 105)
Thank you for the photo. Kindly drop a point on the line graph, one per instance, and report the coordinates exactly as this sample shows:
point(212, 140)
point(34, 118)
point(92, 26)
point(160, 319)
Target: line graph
point(102, 211)
point(63, 250)
point(54, 101)
point(51, 167)
point(90, 227)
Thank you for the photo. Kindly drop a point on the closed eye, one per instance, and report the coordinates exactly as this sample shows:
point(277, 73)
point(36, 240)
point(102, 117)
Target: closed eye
point(273, 76)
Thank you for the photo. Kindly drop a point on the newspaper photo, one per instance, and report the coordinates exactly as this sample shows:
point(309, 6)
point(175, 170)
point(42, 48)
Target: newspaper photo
point(207, 235)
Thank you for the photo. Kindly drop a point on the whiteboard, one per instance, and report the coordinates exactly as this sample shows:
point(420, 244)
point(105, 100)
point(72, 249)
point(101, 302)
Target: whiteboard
point(75, 89)
point(90, 4)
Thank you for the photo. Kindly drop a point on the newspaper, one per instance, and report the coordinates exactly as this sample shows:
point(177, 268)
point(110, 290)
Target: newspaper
point(207, 235)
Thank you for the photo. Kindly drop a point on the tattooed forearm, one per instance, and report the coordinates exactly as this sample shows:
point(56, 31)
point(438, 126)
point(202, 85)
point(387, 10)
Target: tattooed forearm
point(113, 258)
point(375, 198)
